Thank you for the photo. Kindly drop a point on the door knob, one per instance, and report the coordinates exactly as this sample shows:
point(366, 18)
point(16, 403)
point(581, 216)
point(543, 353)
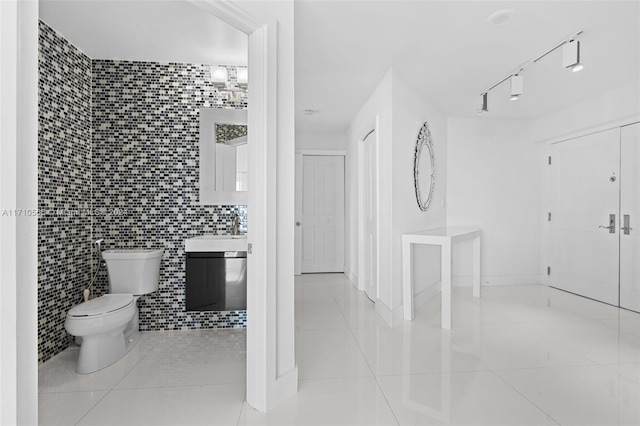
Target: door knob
point(612, 224)
point(625, 225)
point(298, 224)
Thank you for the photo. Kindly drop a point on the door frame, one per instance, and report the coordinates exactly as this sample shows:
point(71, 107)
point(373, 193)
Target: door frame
point(372, 127)
point(609, 289)
point(300, 153)
point(272, 375)
point(545, 235)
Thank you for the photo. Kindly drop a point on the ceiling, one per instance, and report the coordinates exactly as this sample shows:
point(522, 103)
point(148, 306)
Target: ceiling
point(146, 30)
point(449, 53)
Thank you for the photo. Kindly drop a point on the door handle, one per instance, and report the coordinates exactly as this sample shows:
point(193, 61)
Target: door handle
point(298, 224)
point(625, 225)
point(612, 224)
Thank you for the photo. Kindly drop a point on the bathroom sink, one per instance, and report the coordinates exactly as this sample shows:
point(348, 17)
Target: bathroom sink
point(220, 237)
point(211, 242)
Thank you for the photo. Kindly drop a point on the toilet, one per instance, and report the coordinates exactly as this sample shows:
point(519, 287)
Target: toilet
point(107, 326)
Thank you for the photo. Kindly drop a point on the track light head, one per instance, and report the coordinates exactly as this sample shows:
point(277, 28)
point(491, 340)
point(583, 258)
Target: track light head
point(571, 56)
point(517, 83)
point(577, 67)
point(485, 104)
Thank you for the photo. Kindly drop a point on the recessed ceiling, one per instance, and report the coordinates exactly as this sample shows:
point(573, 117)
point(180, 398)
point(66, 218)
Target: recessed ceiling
point(449, 51)
point(158, 31)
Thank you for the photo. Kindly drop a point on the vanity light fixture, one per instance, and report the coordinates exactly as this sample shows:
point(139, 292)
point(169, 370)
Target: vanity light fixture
point(242, 77)
point(570, 59)
point(220, 80)
point(219, 77)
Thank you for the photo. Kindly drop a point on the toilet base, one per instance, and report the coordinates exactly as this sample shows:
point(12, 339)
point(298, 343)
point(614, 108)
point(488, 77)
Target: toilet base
point(100, 351)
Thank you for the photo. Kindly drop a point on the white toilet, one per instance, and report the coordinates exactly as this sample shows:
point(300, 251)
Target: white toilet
point(108, 325)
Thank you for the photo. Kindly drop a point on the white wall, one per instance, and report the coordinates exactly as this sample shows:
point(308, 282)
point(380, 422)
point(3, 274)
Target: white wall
point(611, 108)
point(410, 111)
point(399, 114)
point(320, 141)
point(493, 183)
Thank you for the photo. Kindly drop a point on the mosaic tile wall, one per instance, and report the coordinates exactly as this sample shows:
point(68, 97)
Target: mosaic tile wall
point(228, 132)
point(118, 159)
point(64, 186)
point(145, 172)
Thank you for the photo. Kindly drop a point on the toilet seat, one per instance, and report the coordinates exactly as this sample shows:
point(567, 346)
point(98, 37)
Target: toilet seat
point(105, 304)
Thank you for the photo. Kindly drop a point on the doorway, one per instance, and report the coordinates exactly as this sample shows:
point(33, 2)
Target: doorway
point(320, 213)
point(594, 250)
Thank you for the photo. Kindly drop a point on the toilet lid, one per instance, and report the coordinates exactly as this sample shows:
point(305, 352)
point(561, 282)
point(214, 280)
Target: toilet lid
point(101, 305)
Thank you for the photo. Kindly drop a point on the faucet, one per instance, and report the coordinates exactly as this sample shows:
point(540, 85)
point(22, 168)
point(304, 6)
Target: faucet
point(235, 224)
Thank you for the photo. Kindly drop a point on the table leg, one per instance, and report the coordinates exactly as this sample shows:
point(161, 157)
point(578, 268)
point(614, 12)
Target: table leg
point(407, 280)
point(446, 286)
point(476, 266)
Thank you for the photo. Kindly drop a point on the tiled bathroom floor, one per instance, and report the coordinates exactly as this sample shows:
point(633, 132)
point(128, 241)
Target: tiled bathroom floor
point(526, 355)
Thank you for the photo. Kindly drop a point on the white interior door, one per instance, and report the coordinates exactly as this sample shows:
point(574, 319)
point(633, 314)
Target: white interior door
point(322, 213)
point(297, 269)
point(630, 216)
point(585, 184)
point(370, 183)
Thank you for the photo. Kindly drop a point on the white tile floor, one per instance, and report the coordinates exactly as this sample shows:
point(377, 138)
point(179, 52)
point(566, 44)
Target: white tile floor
point(521, 355)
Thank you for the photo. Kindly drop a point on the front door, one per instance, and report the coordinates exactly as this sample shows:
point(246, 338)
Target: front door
point(630, 217)
point(585, 189)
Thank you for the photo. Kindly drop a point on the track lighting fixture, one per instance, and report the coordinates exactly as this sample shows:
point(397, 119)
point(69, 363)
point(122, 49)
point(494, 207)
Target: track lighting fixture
point(571, 56)
point(485, 104)
point(570, 59)
point(516, 82)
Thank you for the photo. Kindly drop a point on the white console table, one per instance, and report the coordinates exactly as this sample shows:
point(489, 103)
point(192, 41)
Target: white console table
point(445, 238)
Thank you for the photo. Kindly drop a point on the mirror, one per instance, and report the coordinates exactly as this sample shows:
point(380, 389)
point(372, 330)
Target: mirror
point(223, 156)
point(424, 170)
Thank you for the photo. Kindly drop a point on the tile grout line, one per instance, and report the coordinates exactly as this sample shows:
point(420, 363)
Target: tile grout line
point(118, 382)
point(373, 375)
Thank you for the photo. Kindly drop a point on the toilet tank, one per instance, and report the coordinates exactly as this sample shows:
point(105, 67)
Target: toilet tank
point(133, 271)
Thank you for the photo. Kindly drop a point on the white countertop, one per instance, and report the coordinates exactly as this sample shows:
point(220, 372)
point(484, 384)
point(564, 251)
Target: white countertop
point(210, 242)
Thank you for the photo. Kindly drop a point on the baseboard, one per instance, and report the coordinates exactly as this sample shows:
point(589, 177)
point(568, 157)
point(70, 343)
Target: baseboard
point(384, 312)
point(427, 294)
point(351, 276)
point(491, 280)
point(285, 387)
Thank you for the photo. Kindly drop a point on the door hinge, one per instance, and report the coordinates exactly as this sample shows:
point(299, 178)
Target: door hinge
point(549, 160)
point(548, 270)
point(549, 216)
point(249, 247)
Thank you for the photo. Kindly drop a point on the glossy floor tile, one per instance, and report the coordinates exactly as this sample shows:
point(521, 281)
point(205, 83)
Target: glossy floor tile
point(467, 398)
point(343, 401)
point(585, 395)
point(520, 355)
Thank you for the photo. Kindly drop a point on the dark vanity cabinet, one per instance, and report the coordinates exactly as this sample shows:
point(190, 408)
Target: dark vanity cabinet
point(216, 281)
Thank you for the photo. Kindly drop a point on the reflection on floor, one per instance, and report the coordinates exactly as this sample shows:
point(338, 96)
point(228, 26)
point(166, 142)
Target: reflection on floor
point(520, 355)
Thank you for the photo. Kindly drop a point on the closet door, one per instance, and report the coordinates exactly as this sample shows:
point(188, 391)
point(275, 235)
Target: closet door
point(630, 216)
point(322, 213)
point(585, 179)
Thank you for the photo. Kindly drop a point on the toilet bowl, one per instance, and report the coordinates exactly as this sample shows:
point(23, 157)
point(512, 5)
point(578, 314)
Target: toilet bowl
point(100, 323)
point(107, 326)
